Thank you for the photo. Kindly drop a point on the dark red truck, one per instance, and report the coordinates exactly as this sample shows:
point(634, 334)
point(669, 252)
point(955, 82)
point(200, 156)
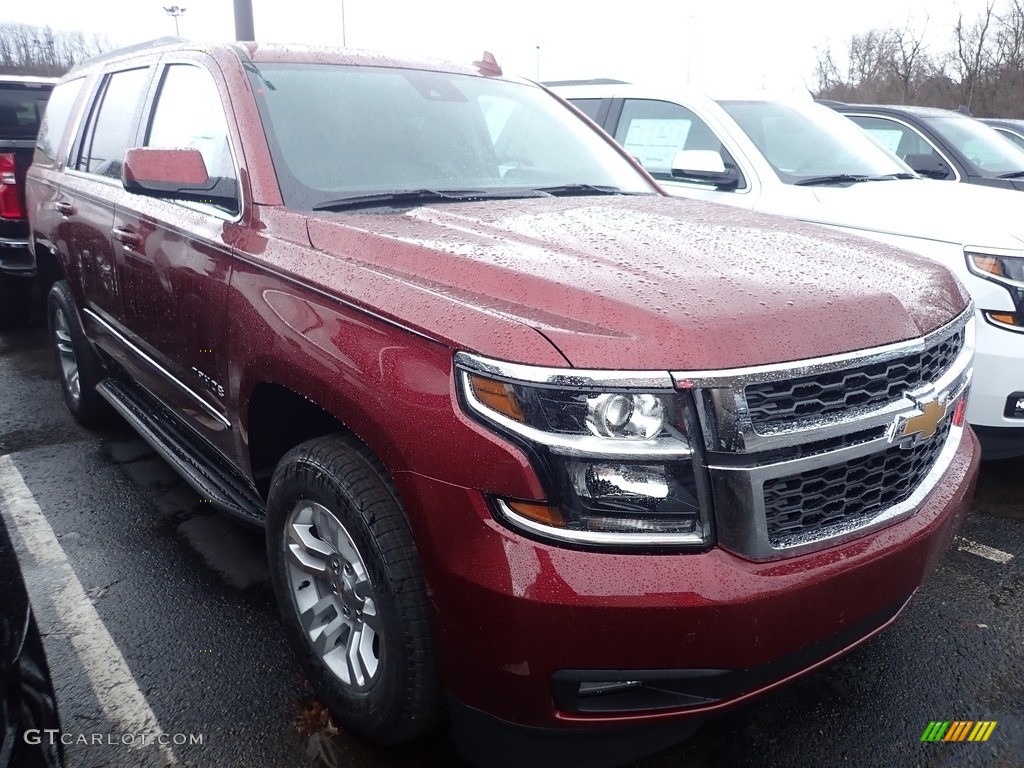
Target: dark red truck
point(533, 444)
point(22, 103)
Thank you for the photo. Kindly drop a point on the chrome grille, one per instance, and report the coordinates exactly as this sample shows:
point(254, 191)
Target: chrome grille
point(774, 403)
point(806, 454)
point(841, 495)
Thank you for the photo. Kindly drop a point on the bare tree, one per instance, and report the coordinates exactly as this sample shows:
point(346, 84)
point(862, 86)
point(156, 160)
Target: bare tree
point(973, 60)
point(29, 50)
point(908, 57)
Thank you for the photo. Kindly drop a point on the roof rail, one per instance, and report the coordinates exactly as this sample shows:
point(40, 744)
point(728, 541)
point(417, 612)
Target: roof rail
point(158, 42)
point(594, 81)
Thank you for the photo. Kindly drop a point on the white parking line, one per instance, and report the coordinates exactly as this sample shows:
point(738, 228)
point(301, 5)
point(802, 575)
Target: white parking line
point(119, 696)
point(983, 550)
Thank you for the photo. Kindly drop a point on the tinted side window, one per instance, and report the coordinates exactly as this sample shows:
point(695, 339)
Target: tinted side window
point(896, 137)
point(589, 107)
point(55, 121)
point(112, 126)
point(21, 108)
point(189, 114)
point(653, 131)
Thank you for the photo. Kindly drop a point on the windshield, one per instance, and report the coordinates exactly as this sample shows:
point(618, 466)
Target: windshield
point(809, 141)
point(339, 132)
point(989, 153)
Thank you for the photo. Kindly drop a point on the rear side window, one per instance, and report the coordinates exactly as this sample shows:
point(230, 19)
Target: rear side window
point(55, 121)
point(113, 123)
point(21, 110)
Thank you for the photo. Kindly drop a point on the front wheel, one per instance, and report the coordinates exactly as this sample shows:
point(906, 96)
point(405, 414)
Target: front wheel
point(347, 578)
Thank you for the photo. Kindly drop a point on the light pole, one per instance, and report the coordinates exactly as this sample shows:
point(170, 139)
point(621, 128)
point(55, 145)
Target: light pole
point(175, 11)
point(343, 44)
point(538, 64)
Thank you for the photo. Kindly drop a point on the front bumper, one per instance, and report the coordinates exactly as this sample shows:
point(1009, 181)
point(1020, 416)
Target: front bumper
point(998, 374)
point(516, 618)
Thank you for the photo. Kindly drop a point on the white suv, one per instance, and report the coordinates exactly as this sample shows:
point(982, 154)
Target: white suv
point(792, 157)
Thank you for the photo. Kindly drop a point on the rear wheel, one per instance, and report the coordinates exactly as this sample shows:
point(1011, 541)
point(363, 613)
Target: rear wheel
point(347, 578)
point(79, 365)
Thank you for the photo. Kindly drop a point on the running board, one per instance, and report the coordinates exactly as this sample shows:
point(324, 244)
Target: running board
point(201, 466)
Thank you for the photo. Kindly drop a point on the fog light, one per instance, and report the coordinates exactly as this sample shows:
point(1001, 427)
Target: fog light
point(598, 688)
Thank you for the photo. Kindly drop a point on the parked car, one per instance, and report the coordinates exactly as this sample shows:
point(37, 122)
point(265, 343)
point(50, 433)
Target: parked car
point(531, 441)
point(22, 102)
point(941, 144)
point(28, 705)
point(1011, 129)
point(789, 156)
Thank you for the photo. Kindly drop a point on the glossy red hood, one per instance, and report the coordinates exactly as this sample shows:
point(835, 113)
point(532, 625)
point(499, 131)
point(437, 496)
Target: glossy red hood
point(642, 282)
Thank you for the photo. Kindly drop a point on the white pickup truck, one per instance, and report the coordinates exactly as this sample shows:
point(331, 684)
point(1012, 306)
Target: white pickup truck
point(790, 156)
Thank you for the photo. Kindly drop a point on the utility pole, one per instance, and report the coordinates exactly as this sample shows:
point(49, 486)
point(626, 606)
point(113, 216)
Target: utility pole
point(244, 29)
point(343, 43)
point(175, 11)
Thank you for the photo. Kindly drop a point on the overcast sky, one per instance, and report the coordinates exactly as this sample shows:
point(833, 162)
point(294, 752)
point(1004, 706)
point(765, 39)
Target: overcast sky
point(728, 43)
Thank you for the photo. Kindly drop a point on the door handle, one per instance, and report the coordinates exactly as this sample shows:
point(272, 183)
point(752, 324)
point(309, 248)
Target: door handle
point(64, 209)
point(126, 236)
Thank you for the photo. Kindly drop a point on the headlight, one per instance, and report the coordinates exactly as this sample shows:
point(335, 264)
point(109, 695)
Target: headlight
point(615, 452)
point(1008, 271)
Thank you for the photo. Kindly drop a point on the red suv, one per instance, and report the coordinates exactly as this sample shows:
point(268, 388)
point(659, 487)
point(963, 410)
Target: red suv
point(532, 443)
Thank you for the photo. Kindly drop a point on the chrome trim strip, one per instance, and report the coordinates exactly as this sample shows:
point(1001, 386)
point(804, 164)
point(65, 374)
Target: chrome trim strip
point(725, 417)
point(159, 368)
point(579, 445)
point(564, 378)
point(599, 538)
point(11, 242)
point(811, 366)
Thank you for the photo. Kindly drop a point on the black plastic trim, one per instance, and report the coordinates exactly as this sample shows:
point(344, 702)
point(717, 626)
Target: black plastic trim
point(1000, 442)
point(213, 478)
point(680, 688)
point(490, 742)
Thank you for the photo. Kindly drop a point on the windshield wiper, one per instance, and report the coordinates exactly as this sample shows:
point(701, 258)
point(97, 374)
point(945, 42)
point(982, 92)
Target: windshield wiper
point(569, 190)
point(838, 178)
point(1012, 175)
point(891, 176)
point(406, 197)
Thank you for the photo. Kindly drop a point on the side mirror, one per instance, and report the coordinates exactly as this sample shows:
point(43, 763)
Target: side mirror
point(178, 174)
point(704, 166)
point(929, 165)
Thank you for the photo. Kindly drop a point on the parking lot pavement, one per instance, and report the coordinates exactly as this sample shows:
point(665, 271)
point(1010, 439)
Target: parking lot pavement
point(158, 614)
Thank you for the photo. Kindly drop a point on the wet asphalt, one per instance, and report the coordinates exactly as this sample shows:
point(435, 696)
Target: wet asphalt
point(185, 596)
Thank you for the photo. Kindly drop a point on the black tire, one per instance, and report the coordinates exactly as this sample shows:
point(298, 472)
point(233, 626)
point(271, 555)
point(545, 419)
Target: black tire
point(89, 409)
point(401, 699)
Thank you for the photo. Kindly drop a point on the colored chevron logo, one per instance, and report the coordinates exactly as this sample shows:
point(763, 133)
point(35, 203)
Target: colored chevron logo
point(958, 730)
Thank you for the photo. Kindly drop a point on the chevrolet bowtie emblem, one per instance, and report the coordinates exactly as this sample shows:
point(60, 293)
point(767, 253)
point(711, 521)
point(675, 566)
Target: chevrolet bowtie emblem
point(913, 428)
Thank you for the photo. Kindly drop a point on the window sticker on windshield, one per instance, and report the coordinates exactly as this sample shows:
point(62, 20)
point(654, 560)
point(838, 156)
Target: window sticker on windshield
point(890, 139)
point(655, 142)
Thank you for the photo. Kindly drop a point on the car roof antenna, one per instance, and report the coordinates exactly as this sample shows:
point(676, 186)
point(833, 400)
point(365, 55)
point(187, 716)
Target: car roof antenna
point(488, 65)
